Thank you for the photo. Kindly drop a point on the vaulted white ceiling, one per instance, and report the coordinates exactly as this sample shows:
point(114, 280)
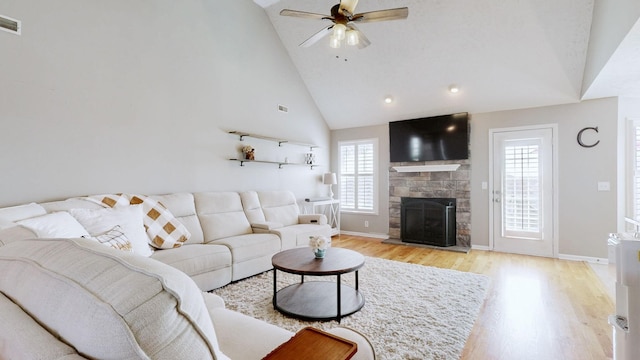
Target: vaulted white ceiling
point(503, 54)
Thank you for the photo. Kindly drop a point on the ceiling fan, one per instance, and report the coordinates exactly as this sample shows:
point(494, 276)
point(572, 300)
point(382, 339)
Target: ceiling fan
point(343, 21)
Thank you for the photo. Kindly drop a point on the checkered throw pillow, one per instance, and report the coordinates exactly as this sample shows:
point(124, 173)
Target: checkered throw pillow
point(110, 200)
point(163, 229)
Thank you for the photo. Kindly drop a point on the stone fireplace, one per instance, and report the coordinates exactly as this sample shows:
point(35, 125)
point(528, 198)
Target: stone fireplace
point(432, 184)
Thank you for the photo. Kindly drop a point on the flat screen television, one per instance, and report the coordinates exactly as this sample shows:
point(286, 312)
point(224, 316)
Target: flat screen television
point(444, 137)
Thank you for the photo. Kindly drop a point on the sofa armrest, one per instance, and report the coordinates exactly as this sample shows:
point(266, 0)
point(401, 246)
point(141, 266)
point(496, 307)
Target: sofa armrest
point(316, 219)
point(266, 225)
point(244, 337)
point(213, 301)
point(366, 350)
point(15, 233)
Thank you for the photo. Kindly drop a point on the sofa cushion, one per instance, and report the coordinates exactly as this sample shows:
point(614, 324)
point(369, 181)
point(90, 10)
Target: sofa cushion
point(183, 207)
point(252, 208)
point(55, 225)
point(251, 253)
point(108, 304)
point(21, 337)
point(279, 206)
point(129, 218)
point(209, 265)
point(251, 246)
point(221, 215)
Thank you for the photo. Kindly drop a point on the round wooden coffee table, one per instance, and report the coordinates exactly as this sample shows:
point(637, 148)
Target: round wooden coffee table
point(317, 300)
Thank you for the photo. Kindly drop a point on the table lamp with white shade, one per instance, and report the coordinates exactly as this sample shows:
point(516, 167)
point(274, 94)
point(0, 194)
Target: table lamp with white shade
point(330, 179)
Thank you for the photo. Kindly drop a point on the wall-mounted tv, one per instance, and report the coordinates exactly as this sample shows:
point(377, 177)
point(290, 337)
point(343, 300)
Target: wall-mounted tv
point(444, 137)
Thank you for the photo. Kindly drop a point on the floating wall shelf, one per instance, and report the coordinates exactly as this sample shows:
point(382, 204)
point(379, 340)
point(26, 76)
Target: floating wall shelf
point(280, 164)
point(242, 135)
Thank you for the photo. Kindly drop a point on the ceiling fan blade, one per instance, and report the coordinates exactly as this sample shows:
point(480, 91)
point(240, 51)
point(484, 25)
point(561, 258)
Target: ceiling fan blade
point(349, 5)
point(382, 15)
point(304, 14)
point(317, 36)
point(363, 42)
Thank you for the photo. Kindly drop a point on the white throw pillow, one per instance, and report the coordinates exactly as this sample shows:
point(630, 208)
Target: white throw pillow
point(21, 212)
point(100, 221)
point(114, 238)
point(55, 225)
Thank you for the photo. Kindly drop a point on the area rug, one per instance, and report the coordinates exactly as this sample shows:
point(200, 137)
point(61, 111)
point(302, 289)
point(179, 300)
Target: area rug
point(411, 311)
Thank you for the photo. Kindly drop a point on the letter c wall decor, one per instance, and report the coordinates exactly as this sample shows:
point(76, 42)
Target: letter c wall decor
point(580, 137)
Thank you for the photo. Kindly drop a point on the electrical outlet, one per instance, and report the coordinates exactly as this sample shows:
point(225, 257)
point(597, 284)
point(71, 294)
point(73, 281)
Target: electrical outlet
point(366, 223)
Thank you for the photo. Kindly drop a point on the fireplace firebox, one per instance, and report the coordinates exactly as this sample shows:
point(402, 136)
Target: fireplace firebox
point(430, 221)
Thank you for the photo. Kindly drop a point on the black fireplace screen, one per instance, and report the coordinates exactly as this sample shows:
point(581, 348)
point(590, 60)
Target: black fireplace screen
point(430, 221)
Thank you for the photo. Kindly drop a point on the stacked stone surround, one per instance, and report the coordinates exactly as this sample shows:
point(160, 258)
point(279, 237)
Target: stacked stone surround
point(441, 184)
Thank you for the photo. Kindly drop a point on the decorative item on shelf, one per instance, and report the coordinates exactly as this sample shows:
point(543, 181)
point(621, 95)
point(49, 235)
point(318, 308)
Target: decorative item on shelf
point(319, 245)
point(248, 152)
point(310, 158)
point(330, 179)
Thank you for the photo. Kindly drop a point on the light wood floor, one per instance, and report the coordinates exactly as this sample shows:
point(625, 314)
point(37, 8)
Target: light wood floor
point(536, 308)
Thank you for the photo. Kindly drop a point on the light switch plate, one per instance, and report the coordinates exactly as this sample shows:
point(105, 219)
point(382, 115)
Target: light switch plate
point(604, 186)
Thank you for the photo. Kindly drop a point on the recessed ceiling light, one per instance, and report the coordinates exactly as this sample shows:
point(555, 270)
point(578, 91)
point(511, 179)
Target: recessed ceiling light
point(388, 100)
point(454, 89)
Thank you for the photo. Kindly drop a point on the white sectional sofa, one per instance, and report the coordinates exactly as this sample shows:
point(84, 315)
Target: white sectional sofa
point(232, 235)
point(65, 297)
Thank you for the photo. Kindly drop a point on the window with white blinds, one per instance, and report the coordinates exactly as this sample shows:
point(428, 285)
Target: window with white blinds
point(522, 189)
point(358, 189)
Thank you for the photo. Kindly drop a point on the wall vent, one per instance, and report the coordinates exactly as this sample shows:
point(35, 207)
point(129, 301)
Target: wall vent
point(10, 25)
point(283, 108)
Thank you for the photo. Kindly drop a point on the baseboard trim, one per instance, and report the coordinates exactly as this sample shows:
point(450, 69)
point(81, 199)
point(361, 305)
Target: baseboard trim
point(369, 235)
point(589, 259)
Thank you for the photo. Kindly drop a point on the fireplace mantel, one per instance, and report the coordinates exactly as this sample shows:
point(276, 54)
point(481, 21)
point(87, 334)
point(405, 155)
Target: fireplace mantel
point(426, 168)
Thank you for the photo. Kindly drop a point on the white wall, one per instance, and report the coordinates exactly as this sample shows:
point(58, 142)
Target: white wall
point(378, 223)
point(586, 215)
point(136, 96)
point(612, 21)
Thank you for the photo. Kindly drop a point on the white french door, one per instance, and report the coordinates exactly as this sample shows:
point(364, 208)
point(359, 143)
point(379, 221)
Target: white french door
point(522, 191)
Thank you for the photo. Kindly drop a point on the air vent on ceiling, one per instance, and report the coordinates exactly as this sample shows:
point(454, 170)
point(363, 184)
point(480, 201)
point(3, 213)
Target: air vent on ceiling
point(10, 25)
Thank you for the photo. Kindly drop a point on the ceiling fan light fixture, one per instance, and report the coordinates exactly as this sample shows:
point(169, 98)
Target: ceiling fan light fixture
point(352, 37)
point(339, 31)
point(334, 42)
